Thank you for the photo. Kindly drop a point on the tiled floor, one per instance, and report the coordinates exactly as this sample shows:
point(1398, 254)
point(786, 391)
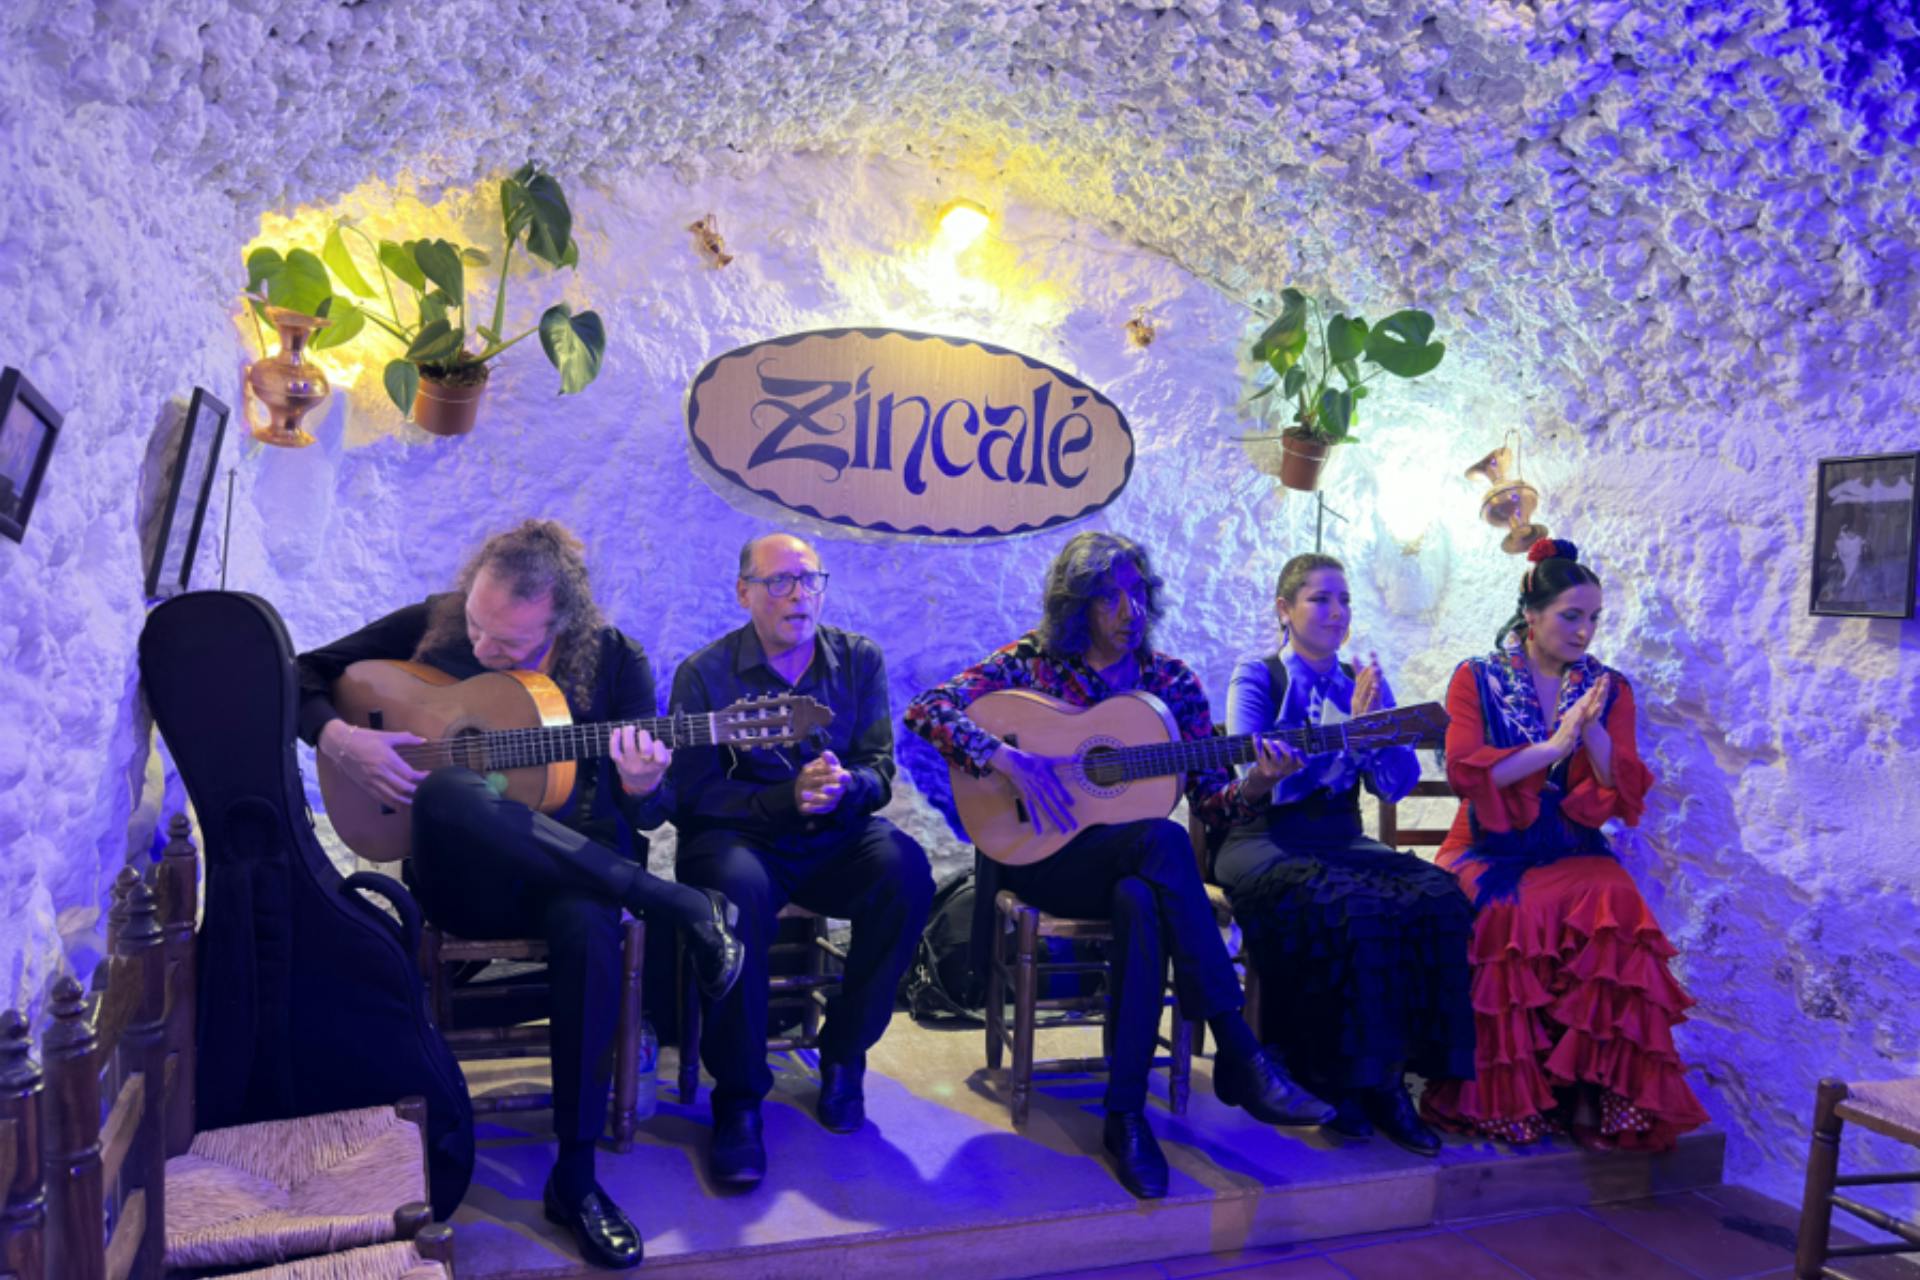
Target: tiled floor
point(1726, 1233)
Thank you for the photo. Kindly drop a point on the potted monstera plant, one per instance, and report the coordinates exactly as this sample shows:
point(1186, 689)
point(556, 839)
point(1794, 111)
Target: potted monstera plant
point(415, 291)
point(1306, 349)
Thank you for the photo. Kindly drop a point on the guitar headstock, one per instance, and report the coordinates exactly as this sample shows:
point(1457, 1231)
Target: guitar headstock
point(776, 720)
point(1421, 725)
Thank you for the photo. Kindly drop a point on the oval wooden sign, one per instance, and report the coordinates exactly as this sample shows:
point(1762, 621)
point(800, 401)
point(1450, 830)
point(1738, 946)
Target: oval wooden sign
point(909, 433)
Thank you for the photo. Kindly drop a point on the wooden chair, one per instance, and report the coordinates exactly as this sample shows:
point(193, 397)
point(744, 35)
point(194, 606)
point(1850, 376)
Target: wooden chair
point(816, 967)
point(23, 1220)
point(441, 951)
point(1018, 961)
point(1223, 916)
point(1887, 1107)
point(1395, 836)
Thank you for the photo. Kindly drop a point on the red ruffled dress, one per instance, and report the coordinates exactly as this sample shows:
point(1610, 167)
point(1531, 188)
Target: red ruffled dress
point(1570, 977)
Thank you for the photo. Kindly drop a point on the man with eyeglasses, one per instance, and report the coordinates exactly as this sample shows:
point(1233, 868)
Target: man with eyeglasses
point(772, 826)
point(1095, 640)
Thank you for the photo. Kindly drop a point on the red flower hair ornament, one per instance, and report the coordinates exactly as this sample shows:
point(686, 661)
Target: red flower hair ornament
point(1552, 549)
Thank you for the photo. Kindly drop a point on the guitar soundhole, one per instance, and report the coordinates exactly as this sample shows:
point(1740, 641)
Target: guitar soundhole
point(1102, 771)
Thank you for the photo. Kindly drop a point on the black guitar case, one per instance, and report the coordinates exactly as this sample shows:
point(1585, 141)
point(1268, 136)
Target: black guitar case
point(310, 995)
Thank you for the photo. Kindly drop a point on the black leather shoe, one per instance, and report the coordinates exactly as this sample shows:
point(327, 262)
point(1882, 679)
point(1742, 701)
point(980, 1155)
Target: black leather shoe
point(842, 1106)
point(606, 1236)
point(1137, 1160)
point(1393, 1113)
point(718, 953)
point(1350, 1117)
point(1266, 1091)
point(738, 1156)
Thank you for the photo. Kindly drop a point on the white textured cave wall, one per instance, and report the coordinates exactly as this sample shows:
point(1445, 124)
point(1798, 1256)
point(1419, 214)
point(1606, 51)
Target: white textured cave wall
point(1672, 246)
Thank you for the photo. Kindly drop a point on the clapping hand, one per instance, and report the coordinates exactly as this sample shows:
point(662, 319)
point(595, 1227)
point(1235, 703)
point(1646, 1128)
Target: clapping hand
point(1367, 684)
point(821, 784)
point(1582, 717)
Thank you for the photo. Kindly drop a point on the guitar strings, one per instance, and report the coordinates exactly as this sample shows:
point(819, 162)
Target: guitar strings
point(547, 744)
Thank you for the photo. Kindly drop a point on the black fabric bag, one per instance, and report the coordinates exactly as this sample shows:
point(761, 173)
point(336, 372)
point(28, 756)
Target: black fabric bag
point(310, 995)
point(942, 984)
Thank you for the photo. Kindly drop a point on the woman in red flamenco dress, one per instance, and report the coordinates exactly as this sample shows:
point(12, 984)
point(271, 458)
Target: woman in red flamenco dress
point(1574, 1006)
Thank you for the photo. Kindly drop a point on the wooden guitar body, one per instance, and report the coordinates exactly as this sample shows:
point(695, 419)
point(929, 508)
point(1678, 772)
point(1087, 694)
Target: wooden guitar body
point(989, 808)
point(411, 697)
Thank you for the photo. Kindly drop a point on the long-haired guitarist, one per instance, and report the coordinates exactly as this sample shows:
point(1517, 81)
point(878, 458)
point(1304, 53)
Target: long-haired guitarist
point(485, 866)
point(1094, 640)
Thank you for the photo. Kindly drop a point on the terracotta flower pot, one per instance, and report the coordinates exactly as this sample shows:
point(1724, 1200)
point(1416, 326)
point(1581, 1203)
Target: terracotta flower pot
point(286, 383)
point(1301, 459)
point(448, 409)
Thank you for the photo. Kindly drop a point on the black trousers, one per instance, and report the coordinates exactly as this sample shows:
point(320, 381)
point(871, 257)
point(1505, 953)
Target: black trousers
point(485, 868)
point(1142, 876)
point(877, 877)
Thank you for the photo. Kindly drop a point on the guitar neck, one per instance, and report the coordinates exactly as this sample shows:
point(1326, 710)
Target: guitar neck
point(1198, 755)
point(521, 748)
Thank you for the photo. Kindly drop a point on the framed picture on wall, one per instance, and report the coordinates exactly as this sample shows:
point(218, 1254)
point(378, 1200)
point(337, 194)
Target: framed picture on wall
point(188, 489)
point(28, 428)
point(1865, 521)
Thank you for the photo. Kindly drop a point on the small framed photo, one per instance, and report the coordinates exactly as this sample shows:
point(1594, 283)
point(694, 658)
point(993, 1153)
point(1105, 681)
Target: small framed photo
point(189, 487)
point(28, 428)
point(1865, 522)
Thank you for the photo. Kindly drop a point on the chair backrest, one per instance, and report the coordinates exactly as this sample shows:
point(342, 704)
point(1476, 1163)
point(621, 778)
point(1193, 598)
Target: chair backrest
point(23, 1221)
point(106, 1177)
point(1395, 836)
point(178, 882)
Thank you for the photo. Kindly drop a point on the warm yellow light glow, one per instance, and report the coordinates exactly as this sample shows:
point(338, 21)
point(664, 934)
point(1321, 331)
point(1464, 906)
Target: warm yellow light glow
point(1411, 501)
point(961, 223)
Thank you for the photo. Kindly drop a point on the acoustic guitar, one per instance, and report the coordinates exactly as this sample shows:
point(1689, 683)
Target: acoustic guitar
point(1124, 758)
point(513, 727)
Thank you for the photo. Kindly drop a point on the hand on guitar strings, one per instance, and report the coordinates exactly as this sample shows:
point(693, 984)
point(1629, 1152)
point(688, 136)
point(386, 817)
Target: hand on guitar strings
point(1273, 760)
point(640, 757)
point(367, 757)
point(1037, 780)
point(820, 784)
point(1366, 687)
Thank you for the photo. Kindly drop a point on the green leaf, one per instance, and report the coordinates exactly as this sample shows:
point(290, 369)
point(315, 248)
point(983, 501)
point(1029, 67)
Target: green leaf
point(1399, 344)
point(1295, 382)
point(1286, 334)
point(487, 335)
point(340, 261)
point(347, 319)
point(403, 383)
point(301, 284)
point(440, 263)
point(262, 265)
point(475, 257)
point(1346, 339)
point(398, 258)
point(550, 225)
point(575, 344)
point(1336, 413)
point(1263, 392)
point(571, 258)
point(514, 212)
point(1350, 370)
point(436, 343)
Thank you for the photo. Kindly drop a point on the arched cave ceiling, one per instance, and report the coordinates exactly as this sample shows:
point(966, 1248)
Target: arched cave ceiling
point(1613, 206)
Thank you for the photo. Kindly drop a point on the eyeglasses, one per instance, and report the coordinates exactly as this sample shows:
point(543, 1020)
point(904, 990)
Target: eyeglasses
point(781, 585)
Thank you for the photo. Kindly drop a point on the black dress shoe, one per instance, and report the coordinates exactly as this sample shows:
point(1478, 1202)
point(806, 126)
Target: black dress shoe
point(738, 1156)
point(1350, 1117)
point(606, 1236)
point(1137, 1160)
point(842, 1106)
point(1393, 1113)
point(718, 953)
point(1266, 1091)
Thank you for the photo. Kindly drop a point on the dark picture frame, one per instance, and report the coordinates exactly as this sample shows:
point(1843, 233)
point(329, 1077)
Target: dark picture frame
point(191, 482)
point(28, 428)
point(1866, 536)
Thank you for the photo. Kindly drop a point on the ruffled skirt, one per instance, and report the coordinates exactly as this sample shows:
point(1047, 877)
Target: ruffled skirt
point(1571, 987)
point(1362, 952)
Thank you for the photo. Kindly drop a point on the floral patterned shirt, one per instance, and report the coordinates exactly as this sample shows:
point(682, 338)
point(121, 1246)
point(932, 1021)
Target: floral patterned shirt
point(940, 714)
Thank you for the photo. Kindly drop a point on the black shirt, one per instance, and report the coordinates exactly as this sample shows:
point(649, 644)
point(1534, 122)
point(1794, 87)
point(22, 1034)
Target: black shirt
point(752, 790)
point(622, 690)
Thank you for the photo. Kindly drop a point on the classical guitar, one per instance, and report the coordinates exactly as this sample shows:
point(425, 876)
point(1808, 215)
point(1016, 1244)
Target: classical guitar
point(514, 727)
point(1124, 758)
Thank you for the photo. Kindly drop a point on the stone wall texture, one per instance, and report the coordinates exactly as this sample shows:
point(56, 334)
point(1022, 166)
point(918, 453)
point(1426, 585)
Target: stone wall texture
point(1671, 246)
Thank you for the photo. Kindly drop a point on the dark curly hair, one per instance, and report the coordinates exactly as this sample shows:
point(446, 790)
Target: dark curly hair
point(1074, 582)
point(533, 559)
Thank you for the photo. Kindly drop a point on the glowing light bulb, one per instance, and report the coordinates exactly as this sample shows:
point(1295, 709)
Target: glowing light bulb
point(961, 223)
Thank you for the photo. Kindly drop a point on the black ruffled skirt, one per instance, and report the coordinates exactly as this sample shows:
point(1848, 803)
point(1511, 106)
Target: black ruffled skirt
point(1362, 952)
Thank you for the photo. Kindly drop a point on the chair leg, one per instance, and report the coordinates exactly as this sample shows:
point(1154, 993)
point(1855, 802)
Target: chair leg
point(1251, 1010)
point(1026, 991)
point(439, 998)
point(1823, 1165)
point(690, 1009)
point(997, 995)
point(816, 968)
point(626, 1061)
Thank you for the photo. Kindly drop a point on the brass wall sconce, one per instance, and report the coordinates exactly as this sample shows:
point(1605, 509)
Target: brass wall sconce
point(706, 238)
point(1140, 329)
point(1510, 503)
